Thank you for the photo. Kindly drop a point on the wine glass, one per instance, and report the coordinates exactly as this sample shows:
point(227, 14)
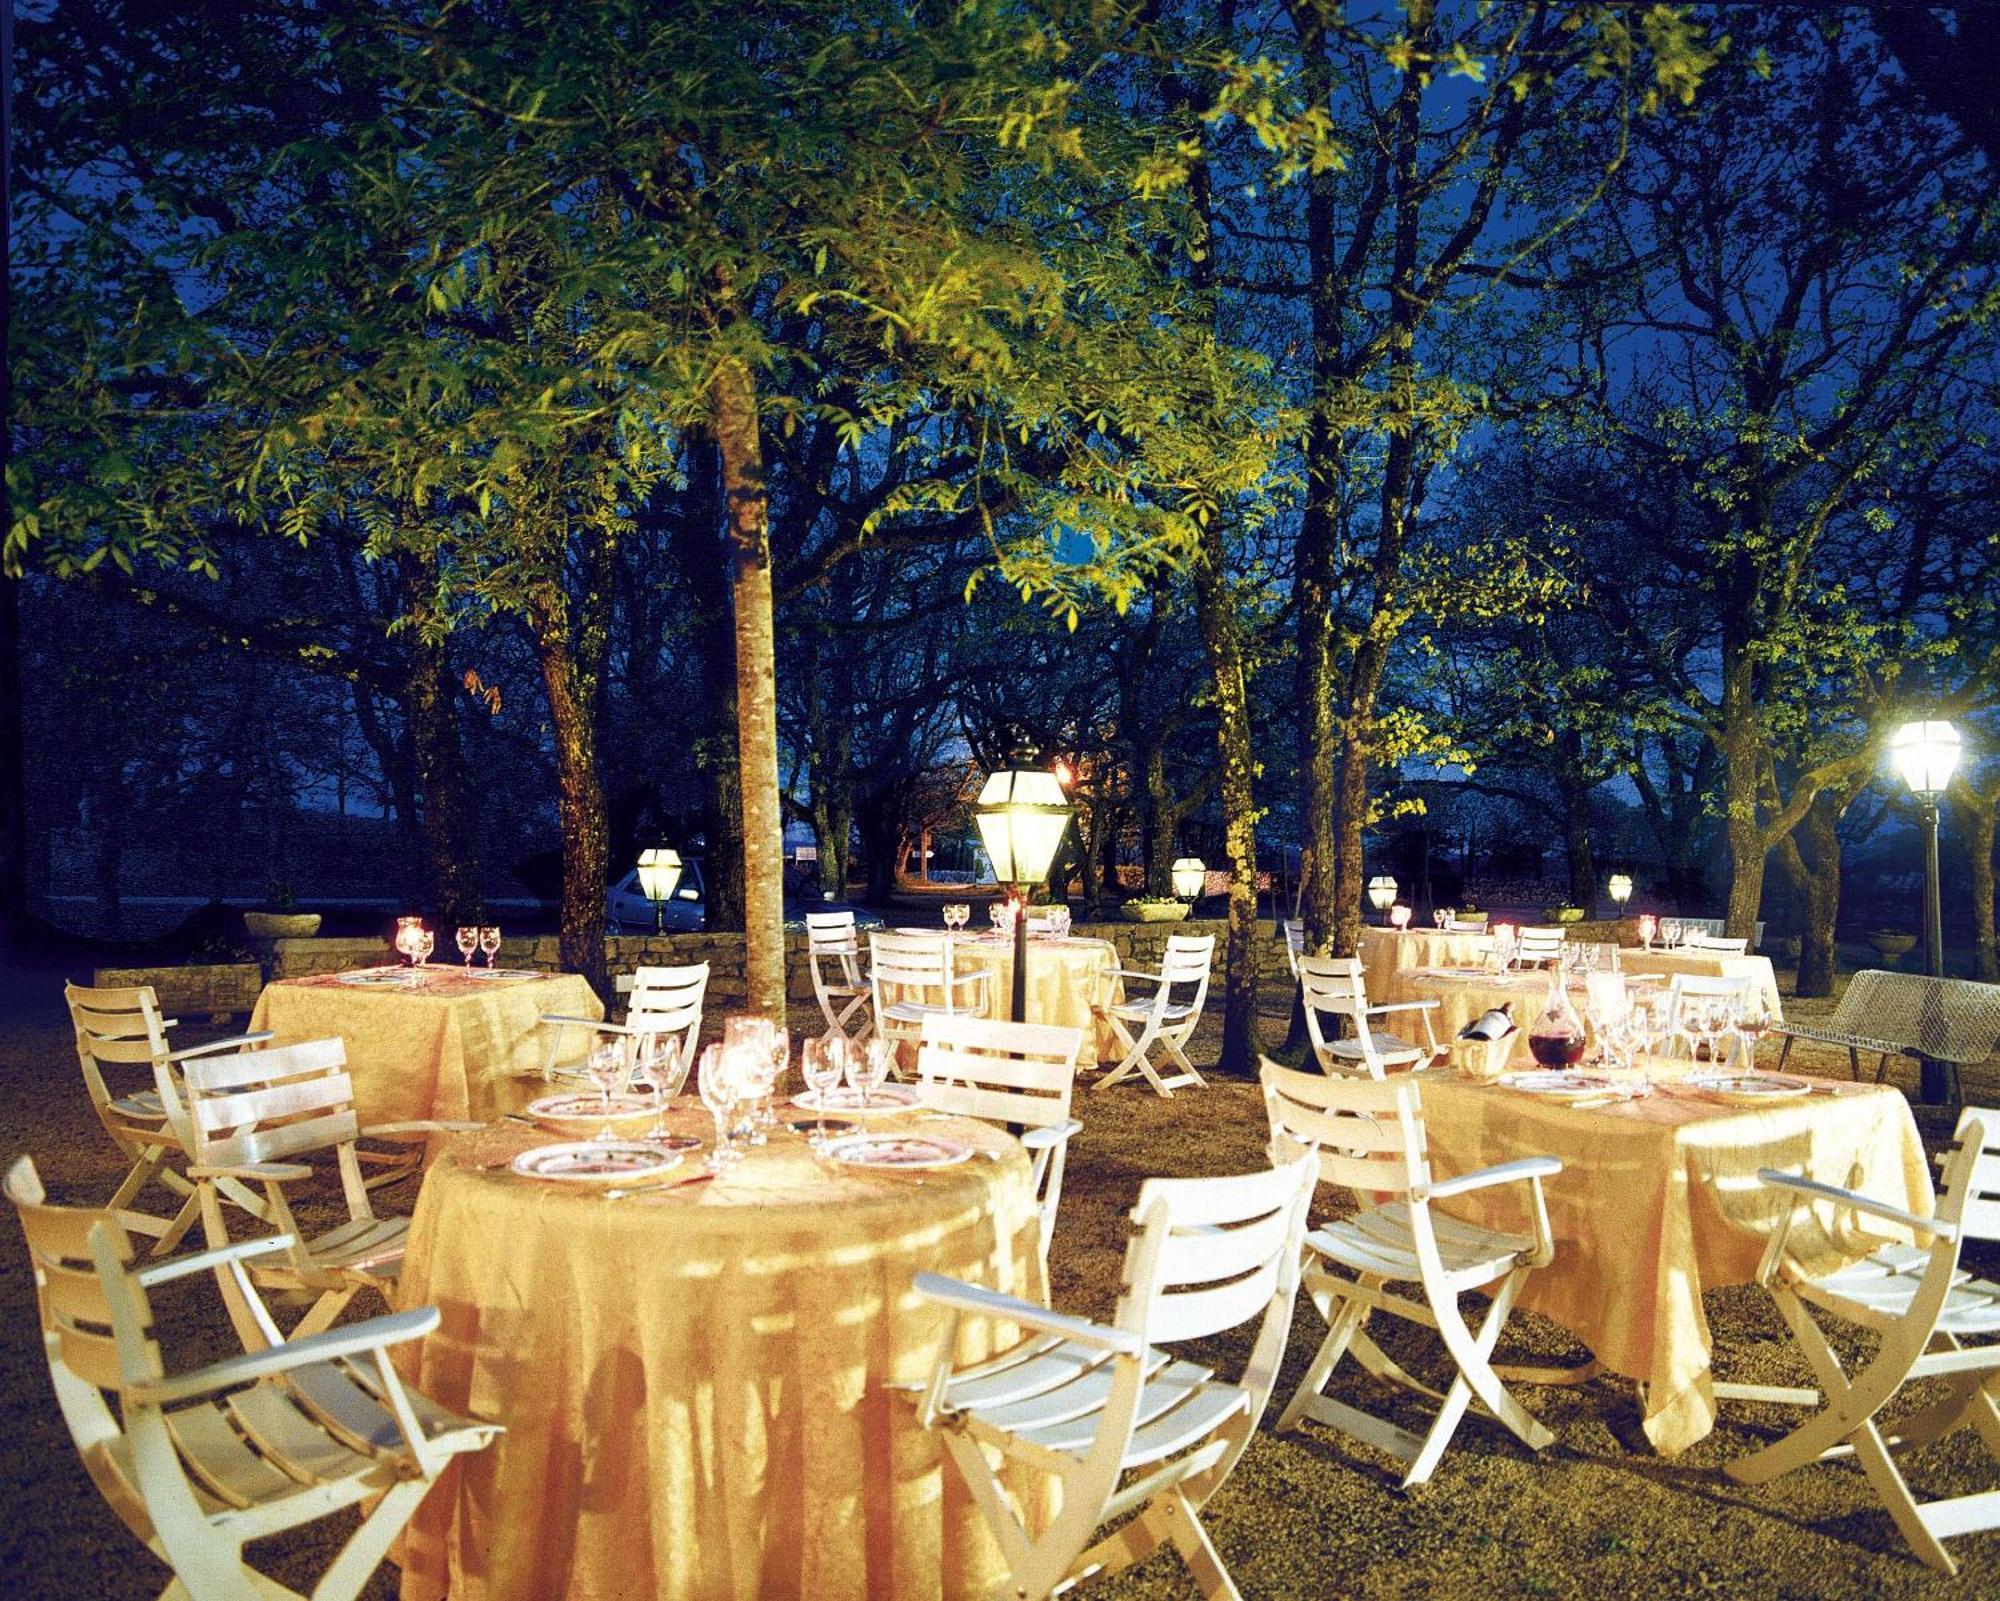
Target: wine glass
point(956, 915)
point(719, 1090)
point(868, 1067)
point(489, 943)
point(823, 1062)
point(1753, 1022)
point(426, 943)
point(1670, 933)
point(606, 1068)
point(1440, 917)
point(467, 940)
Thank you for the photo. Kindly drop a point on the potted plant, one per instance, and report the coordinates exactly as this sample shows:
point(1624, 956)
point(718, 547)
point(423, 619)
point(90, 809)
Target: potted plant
point(1154, 909)
point(1562, 914)
point(1893, 944)
point(279, 917)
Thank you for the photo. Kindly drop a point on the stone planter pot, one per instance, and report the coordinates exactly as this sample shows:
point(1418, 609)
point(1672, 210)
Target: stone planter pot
point(1563, 914)
point(1155, 912)
point(281, 925)
point(1892, 947)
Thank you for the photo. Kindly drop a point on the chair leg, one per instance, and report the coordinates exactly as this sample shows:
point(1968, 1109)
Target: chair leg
point(369, 1544)
point(1872, 1452)
point(1785, 1051)
point(1196, 1549)
point(1345, 1319)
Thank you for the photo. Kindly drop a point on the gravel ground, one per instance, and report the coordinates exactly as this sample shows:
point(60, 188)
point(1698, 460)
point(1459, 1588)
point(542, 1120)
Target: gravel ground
point(1310, 1514)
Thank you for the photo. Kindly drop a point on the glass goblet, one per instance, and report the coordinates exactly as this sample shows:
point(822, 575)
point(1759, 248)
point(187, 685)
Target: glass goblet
point(823, 1062)
point(467, 939)
point(489, 943)
point(1753, 1022)
point(719, 1089)
point(426, 943)
point(868, 1067)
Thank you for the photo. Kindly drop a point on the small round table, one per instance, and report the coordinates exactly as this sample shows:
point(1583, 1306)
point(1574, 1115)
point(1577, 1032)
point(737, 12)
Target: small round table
point(695, 1381)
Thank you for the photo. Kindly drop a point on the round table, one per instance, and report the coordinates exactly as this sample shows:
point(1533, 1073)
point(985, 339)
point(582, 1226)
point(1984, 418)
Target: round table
point(695, 1381)
point(1388, 954)
point(1069, 981)
point(1463, 997)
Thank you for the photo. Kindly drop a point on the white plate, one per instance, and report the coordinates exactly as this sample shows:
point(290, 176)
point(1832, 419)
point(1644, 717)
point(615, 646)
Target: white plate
point(1557, 1085)
point(1749, 1089)
point(900, 1152)
point(499, 972)
point(584, 1111)
point(394, 977)
point(844, 1102)
point(596, 1162)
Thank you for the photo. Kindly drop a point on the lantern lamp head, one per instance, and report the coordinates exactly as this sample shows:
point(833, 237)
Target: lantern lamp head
point(1021, 817)
point(659, 873)
point(1190, 876)
point(1621, 887)
point(1925, 753)
point(1381, 892)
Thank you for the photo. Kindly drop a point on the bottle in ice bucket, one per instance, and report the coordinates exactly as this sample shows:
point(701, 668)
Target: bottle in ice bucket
point(1556, 1037)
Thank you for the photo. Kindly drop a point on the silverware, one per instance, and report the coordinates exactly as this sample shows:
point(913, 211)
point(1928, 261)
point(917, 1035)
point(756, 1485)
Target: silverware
point(653, 1189)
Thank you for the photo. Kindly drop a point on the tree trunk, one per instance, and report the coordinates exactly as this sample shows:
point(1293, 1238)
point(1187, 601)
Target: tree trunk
point(451, 874)
point(747, 517)
point(14, 928)
point(1815, 874)
point(1980, 811)
point(1162, 819)
point(580, 811)
point(1579, 855)
point(880, 816)
point(1742, 779)
point(698, 553)
point(1222, 638)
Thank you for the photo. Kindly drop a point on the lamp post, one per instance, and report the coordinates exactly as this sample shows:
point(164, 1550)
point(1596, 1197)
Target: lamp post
point(1190, 876)
point(1021, 816)
point(1925, 753)
point(1382, 894)
point(1620, 890)
point(659, 876)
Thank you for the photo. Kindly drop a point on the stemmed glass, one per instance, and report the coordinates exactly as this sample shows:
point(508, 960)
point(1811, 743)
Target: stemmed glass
point(1441, 916)
point(719, 1091)
point(1753, 1022)
point(956, 915)
point(606, 1067)
point(868, 1068)
point(823, 1062)
point(1670, 933)
point(1649, 925)
point(426, 943)
point(467, 939)
point(489, 943)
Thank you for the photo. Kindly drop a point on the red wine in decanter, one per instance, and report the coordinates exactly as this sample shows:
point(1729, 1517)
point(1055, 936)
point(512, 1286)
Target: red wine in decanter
point(1556, 1037)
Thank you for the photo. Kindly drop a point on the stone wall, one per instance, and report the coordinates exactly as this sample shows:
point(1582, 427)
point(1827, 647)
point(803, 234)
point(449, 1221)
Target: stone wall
point(212, 989)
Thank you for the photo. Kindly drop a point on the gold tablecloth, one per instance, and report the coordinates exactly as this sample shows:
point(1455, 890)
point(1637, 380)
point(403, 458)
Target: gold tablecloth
point(1387, 956)
point(1067, 980)
point(695, 1384)
point(1657, 1201)
point(1755, 968)
point(457, 1047)
point(1460, 1000)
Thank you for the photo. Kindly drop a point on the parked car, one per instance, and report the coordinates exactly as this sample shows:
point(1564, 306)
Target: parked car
point(626, 909)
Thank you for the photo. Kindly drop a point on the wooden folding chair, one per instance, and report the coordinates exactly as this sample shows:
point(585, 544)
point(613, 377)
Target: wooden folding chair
point(201, 1463)
point(122, 1028)
point(1163, 1021)
point(1922, 1308)
point(1535, 945)
point(246, 1114)
point(666, 1004)
point(1124, 1428)
point(910, 976)
point(1020, 1074)
point(1369, 1136)
point(1334, 986)
point(834, 954)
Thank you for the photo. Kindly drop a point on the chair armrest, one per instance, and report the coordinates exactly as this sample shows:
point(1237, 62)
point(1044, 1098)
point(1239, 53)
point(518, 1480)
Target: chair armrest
point(1040, 1139)
point(356, 1339)
point(1859, 1203)
point(559, 1021)
point(1126, 972)
point(417, 1130)
point(1526, 1167)
point(181, 1267)
point(990, 1303)
point(268, 1172)
point(234, 1042)
point(1403, 1006)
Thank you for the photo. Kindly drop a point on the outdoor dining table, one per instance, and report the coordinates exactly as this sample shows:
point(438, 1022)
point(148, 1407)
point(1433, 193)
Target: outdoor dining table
point(435, 1041)
point(1709, 964)
point(1467, 993)
point(696, 1380)
point(1070, 982)
point(1658, 1201)
point(1388, 955)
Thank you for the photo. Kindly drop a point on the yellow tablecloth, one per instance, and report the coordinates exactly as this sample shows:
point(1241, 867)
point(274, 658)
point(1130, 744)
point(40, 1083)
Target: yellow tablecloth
point(1755, 968)
point(695, 1384)
point(457, 1047)
point(1387, 956)
point(1067, 980)
point(1460, 1000)
point(1657, 1201)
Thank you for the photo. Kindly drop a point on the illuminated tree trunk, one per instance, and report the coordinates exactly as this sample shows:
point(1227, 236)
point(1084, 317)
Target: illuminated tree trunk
point(1815, 874)
point(1742, 775)
point(580, 813)
point(746, 516)
point(1222, 637)
point(438, 758)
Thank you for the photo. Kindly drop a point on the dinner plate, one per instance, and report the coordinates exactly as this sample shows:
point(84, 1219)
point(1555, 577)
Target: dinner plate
point(500, 972)
point(1749, 1089)
point(898, 1151)
point(884, 1099)
point(394, 977)
point(1557, 1085)
point(595, 1162)
point(1457, 972)
point(585, 1112)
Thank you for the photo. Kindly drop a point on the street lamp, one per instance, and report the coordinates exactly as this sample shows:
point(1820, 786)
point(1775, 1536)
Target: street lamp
point(659, 875)
point(1382, 893)
point(1021, 817)
point(1925, 754)
point(1620, 889)
point(1190, 876)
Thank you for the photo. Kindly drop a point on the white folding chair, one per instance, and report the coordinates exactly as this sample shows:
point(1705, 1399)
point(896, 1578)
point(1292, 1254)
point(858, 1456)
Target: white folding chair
point(831, 943)
point(905, 972)
point(1922, 1308)
point(1596, 956)
point(1334, 986)
point(1537, 945)
point(200, 1463)
point(122, 1028)
point(666, 1005)
point(246, 1114)
point(1370, 1137)
point(1020, 1074)
point(1686, 987)
point(1123, 1427)
point(1162, 1020)
point(1717, 945)
point(1295, 942)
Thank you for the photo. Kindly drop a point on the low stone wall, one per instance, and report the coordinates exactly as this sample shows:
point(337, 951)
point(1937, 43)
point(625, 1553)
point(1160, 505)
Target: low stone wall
point(213, 989)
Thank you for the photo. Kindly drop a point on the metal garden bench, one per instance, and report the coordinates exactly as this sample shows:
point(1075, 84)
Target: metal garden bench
point(1949, 1020)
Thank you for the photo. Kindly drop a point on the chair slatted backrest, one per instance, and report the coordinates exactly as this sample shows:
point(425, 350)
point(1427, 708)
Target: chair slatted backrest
point(1538, 942)
point(1295, 942)
point(116, 1027)
point(830, 936)
point(1369, 1133)
point(1334, 986)
point(1213, 1253)
point(1686, 987)
point(76, 1312)
point(1979, 1132)
point(1187, 959)
point(265, 1106)
point(669, 1001)
point(919, 962)
point(1018, 1073)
